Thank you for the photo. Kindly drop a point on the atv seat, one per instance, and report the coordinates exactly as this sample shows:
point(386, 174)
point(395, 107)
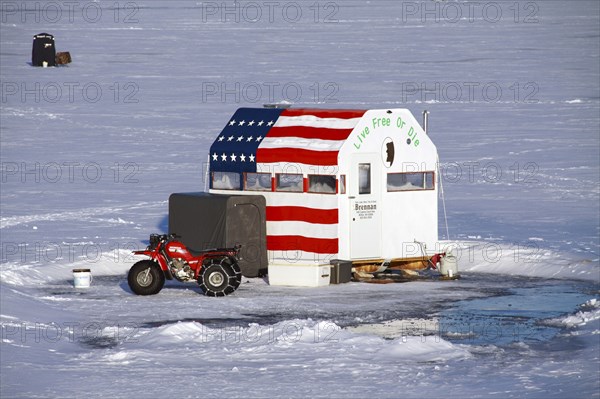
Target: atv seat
point(197, 253)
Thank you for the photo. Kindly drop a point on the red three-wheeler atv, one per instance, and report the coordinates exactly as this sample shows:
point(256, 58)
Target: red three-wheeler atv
point(215, 270)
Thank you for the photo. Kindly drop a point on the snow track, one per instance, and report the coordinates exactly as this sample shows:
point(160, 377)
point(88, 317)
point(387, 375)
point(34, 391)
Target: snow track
point(86, 215)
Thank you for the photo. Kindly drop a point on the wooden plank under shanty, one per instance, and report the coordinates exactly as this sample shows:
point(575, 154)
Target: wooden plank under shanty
point(387, 278)
point(397, 270)
point(376, 265)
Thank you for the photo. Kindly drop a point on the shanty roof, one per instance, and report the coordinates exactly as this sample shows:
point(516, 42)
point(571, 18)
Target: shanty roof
point(254, 138)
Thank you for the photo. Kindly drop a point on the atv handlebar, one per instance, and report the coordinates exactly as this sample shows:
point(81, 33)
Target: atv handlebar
point(163, 237)
point(155, 239)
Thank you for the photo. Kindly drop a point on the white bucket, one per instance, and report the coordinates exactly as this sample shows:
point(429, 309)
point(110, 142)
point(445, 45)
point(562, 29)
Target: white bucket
point(82, 278)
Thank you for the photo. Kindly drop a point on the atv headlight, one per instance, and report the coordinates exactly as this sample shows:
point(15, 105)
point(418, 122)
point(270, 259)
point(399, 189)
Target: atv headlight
point(154, 240)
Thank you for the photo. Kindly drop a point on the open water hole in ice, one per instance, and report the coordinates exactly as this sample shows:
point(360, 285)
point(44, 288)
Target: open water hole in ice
point(520, 315)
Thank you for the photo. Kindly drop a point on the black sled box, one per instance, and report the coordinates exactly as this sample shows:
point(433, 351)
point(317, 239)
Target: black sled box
point(216, 221)
point(341, 271)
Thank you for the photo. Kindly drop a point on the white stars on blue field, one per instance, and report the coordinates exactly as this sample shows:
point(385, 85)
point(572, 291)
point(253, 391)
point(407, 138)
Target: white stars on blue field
point(235, 148)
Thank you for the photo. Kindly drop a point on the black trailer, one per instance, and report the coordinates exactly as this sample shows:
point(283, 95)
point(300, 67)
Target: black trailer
point(211, 221)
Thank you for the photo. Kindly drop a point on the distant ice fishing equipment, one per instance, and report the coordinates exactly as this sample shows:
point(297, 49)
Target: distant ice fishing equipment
point(63, 58)
point(43, 53)
point(82, 278)
point(337, 184)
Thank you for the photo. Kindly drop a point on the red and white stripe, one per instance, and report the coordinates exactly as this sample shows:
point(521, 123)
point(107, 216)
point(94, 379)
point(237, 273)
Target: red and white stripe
point(308, 137)
point(304, 224)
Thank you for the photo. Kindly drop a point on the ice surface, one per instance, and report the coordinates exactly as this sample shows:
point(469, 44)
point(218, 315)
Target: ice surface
point(90, 153)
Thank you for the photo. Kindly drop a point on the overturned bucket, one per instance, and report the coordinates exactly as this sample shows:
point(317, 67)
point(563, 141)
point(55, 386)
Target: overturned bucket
point(82, 278)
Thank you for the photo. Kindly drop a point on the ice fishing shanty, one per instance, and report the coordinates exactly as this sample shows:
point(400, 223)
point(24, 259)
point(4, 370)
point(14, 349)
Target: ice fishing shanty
point(355, 185)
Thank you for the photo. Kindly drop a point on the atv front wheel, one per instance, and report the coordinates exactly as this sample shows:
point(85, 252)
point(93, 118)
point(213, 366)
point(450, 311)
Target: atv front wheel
point(146, 278)
point(220, 277)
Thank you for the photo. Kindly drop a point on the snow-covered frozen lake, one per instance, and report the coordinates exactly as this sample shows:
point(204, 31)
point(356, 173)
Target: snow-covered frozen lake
point(91, 152)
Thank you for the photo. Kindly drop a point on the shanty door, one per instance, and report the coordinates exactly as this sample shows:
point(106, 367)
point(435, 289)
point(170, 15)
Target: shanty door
point(365, 206)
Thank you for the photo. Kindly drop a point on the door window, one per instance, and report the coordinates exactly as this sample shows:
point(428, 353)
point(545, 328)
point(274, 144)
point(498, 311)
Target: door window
point(364, 178)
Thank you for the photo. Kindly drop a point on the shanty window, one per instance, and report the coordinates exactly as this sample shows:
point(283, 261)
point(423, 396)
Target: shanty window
point(410, 181)
point(364, 178)
point(343, 184)
point(289, 182)
point(257, 182)
point(429, 181)
point(321, 184)
point(226, 181)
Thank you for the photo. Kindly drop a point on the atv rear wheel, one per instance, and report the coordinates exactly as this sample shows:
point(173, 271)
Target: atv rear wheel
point(220, 277)
point(146, 278)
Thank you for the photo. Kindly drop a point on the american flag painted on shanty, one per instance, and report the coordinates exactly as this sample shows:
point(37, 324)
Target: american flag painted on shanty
point(303, 141)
